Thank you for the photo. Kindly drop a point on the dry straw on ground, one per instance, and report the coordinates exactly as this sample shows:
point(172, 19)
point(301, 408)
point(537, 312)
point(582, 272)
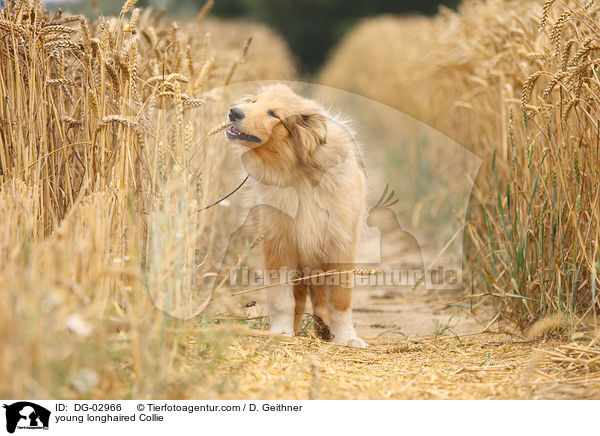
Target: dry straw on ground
point(487, 366)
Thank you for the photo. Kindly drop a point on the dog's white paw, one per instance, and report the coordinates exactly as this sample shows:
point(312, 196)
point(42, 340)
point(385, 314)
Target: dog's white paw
point(282, 324)
point(283, 333)
point(355, 342)
point(281, 310)
point(343, 330)
point(282, 328)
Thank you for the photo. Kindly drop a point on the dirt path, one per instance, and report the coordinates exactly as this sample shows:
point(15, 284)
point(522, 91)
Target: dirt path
point(400, 311)
point(407, 313)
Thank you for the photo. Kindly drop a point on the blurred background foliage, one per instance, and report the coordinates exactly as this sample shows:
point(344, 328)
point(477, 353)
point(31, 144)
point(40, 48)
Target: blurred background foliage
point(311, 27)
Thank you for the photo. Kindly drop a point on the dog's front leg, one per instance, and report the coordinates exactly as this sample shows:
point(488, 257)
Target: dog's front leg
point(279, 261)
point(281, 309)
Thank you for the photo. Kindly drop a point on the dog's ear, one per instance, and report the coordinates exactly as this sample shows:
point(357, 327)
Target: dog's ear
point(307, 131)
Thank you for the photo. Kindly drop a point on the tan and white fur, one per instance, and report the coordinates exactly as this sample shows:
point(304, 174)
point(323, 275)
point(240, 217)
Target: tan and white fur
point(309, 189)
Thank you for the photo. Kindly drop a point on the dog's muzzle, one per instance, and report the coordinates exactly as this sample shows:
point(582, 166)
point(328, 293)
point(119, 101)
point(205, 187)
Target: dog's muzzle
point(234, 134)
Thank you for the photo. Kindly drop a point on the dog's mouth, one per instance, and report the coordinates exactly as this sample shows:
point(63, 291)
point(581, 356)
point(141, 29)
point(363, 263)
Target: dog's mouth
point(237, 135)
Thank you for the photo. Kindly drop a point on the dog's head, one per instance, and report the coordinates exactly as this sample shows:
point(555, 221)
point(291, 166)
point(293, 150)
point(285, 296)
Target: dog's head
point(280, 122)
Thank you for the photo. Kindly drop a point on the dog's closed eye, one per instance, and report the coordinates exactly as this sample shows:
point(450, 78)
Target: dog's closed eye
point(272, 113)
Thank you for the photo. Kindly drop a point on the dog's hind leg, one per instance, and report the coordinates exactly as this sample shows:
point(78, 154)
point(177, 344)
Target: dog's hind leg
point(340, 314)
point(318, 298)
point(300, 298)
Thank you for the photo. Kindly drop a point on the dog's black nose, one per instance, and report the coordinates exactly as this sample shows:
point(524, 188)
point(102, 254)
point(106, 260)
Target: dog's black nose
point(236, 114)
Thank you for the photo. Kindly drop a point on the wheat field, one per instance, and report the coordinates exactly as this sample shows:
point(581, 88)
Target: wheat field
point(517, 84)
point(104, 161)
point(107, 155)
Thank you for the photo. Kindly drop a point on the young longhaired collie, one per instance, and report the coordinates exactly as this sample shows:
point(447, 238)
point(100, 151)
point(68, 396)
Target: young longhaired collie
point(292, 142)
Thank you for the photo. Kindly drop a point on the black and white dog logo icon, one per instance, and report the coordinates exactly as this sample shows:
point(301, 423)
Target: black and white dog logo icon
point(26, 415)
